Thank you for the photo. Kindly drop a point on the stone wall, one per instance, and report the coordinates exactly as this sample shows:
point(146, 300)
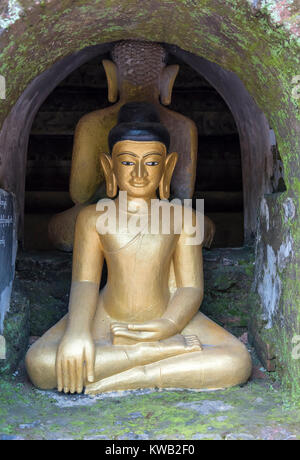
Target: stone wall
point(275, 323)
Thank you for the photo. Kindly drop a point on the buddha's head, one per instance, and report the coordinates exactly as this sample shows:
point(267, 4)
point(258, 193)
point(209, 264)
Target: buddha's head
point(138, 68)
point(139, 162)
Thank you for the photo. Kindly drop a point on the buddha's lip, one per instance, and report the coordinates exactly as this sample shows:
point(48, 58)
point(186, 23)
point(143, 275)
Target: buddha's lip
point(139, 184)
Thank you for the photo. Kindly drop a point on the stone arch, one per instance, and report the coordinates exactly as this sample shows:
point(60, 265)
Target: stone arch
point(241, 37)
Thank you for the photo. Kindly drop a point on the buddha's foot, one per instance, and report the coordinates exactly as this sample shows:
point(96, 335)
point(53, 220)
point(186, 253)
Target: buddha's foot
point(180, 344)
point(167, 348)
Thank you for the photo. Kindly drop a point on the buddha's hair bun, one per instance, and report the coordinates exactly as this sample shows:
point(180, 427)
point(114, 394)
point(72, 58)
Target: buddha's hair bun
point(138, 121)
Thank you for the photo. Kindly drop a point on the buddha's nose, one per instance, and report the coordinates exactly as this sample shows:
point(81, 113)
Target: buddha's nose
point(140, 172)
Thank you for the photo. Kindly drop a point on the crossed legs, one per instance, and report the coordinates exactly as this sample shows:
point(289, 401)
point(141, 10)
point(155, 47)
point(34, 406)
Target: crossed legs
point(178, 362)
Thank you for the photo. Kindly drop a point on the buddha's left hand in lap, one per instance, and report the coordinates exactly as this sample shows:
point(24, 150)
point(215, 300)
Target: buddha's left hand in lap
point(148, 331)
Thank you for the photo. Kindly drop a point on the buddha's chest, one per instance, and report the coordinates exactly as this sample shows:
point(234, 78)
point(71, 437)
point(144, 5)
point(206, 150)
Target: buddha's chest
point(141, 249)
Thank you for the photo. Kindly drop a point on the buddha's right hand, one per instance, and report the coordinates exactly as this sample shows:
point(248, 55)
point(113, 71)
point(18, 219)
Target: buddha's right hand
point(75, 358)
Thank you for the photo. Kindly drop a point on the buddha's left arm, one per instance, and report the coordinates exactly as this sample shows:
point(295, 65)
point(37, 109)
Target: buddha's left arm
point(188, 268)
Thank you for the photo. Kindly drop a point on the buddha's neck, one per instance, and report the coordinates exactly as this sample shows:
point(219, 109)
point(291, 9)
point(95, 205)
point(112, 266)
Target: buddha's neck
point(136, 204)
point(130, 93)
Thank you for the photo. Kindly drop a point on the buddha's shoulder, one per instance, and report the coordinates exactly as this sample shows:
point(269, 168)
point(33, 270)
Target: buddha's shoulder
point(101, 116)
point(184, 216)
point(190, 218)
point(169, 116)
point(183, 207)
point(88, 214)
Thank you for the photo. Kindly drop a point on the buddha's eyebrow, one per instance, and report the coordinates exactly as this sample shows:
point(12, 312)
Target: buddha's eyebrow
point(152, 153)
point(127, 153)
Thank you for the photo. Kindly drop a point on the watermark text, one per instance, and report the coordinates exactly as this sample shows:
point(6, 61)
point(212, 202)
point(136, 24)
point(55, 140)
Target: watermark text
point(157, 217)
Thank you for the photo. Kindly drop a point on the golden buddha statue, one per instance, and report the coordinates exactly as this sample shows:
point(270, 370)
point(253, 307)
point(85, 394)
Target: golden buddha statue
point(137, 72)
point(144, 329)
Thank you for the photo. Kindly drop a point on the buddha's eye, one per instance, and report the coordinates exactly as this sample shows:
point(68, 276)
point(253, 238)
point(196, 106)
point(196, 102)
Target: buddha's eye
point(127, 163)
point(152, 163)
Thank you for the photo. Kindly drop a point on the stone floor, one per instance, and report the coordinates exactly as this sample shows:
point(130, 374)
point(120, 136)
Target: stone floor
point(257, 410)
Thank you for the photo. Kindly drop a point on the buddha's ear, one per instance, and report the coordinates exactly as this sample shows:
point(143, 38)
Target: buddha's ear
point(167, 80)
point(112, 79)
point(165, 182)
point(110, 178)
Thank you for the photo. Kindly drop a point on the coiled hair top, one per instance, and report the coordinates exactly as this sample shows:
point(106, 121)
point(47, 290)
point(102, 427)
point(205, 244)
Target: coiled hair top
point(138, 121)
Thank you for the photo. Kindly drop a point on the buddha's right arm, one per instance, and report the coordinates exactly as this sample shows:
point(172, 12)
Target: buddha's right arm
point(82, 307)
point(76, 350)
point(86, 274)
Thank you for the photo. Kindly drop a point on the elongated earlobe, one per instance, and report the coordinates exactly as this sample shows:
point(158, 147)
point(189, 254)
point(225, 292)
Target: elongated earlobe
point(112, 79)
point(165, 182)
point(167, 80)
point(110, 178)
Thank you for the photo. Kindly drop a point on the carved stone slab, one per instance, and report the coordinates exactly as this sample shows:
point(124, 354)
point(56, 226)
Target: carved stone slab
point(8, 247)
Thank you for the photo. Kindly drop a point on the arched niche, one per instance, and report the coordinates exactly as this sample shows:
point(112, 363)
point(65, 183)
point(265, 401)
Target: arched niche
point(40, 44)
point(253, 128)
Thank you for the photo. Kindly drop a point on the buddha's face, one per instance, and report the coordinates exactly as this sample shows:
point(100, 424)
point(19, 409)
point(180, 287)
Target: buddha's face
point(139, 166)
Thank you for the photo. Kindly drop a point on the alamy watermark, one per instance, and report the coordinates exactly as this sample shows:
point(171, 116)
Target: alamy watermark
point(296, 89)
point(157, 217)
point(2, 87)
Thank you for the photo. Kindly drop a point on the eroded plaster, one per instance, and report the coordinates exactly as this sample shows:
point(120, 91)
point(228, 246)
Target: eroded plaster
point(4, 304)
point(272, 257)
point(11, 12)
point(289, 209)
point(282, 12)
point(269, 288)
